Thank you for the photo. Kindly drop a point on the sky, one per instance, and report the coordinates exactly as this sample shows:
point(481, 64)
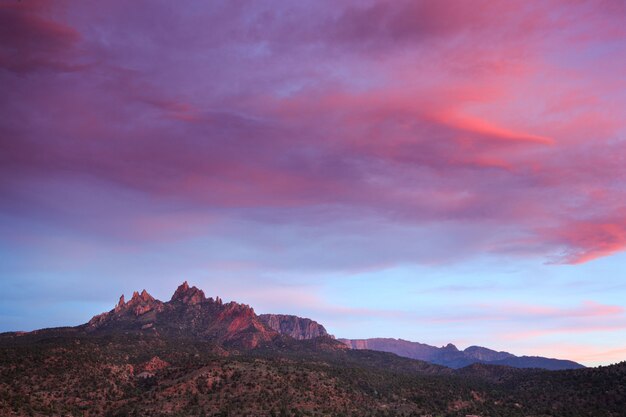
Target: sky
point(437, 171)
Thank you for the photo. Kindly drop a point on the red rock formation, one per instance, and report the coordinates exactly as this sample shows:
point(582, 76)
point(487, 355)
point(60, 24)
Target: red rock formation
point(243, 325)
point(189, 313)
point(138, 305)
point(141, 303)
point(154, 364)
point(120, 304)
point(187, 295)
point(297, 327)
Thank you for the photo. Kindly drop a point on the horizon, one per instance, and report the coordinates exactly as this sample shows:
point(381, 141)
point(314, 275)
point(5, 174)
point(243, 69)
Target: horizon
point(441, 172)
point(138, 292)
point(330, 332)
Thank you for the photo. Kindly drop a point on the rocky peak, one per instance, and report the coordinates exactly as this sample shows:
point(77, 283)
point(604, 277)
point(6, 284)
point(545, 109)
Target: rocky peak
point(141, 303)
point(450, 347)
point(138, 305)
point(188, 295)
point(145, 296)
point(484, 354)
point(120, 304)
point(139, 298)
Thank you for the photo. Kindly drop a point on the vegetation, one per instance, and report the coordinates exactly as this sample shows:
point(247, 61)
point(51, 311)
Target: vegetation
point(72, 374)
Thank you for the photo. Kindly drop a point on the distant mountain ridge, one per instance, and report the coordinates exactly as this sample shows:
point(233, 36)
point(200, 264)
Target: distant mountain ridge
point(452, 357)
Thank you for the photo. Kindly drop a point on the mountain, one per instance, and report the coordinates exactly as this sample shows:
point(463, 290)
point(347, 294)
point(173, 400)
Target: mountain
point(483, 354)
point(297, 327)
point(452, 357)
point(188, 314)
point(197, 356)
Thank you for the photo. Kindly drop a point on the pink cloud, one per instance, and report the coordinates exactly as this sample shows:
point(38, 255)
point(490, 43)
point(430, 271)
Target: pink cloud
point(594, 355)
point(485, 129)
point(546, 321)
point(470, 124)
point(587, 240)
point(587, 309)
point(31, 40)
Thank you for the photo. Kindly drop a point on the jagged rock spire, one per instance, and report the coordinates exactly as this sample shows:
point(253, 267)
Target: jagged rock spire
point(120, 304)
point(145, 296)
point(188, 295)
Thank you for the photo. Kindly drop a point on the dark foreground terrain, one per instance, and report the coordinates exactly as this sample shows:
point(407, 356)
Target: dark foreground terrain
point(194, 356)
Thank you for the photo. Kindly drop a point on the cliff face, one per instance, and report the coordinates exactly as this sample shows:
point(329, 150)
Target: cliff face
point(297, 327)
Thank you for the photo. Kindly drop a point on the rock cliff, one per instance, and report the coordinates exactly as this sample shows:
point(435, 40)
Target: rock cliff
point(297, 327)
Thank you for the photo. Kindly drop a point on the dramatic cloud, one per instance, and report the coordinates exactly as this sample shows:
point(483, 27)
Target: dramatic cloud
point(244, 115)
